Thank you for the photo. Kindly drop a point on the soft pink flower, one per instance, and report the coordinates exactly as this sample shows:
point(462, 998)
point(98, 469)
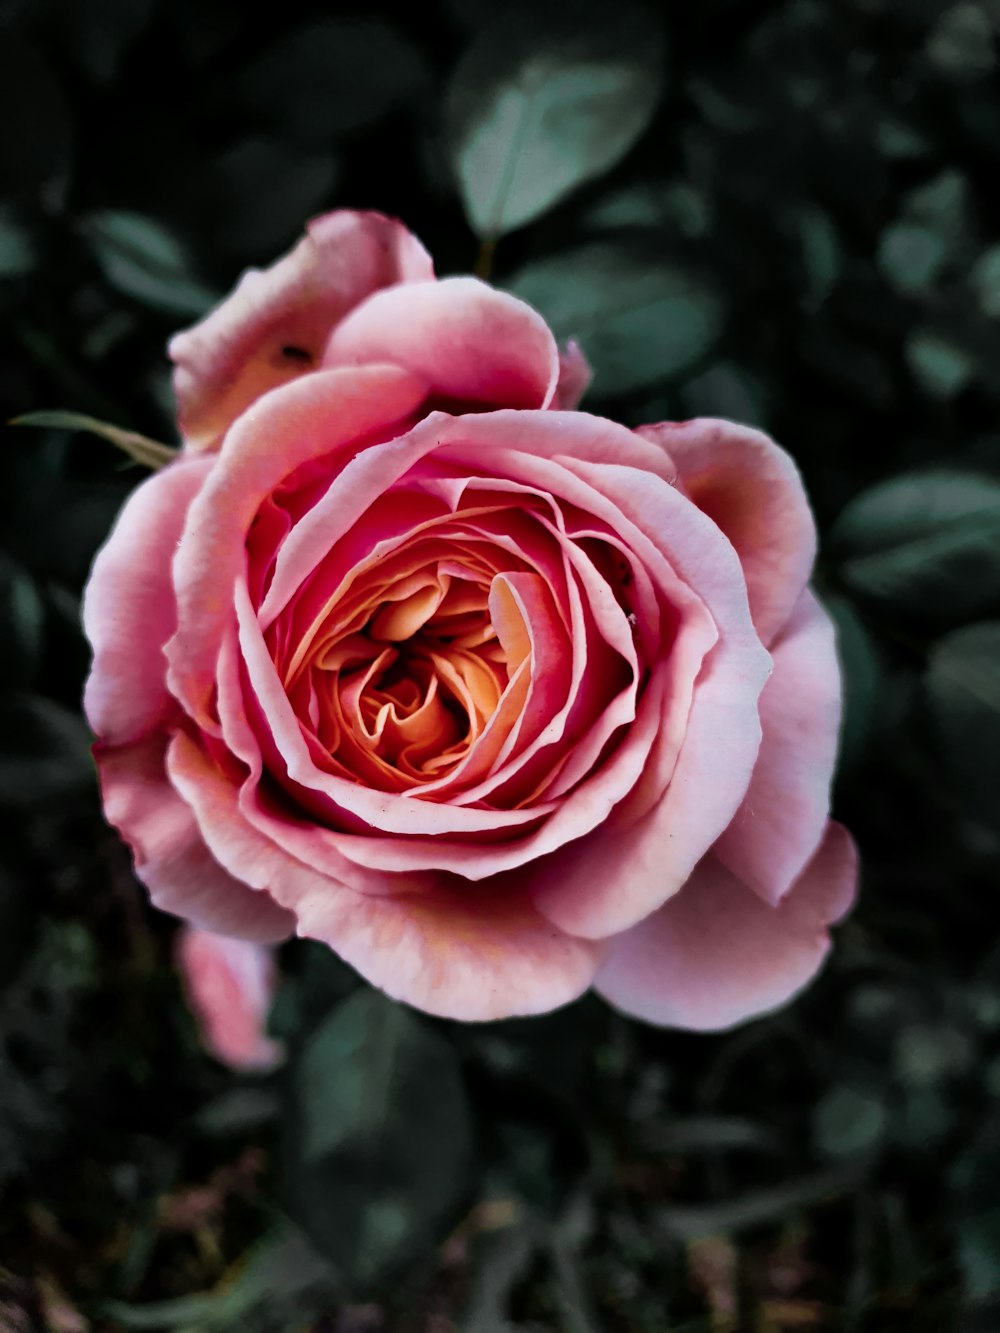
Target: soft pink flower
point(499, 701)
point(359, 288)
point(229, 985)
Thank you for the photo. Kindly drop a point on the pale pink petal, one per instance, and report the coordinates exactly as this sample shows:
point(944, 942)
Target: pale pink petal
point(469, 342)
point(781, 821)
point(574, 376)
point(584, 897)
point(753, 491)
point(372, 472)
point(319, 414)
point(467, 953)
point(457, 950)
point(170, 855)
point(715, 954)
point(229, 985)
point(274, 326)
point(128, 605)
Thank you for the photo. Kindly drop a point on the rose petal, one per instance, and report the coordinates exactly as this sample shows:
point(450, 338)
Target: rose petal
point(229, 985)
point(470, 954)
point(469, 342)
point(171, 858)
point(128, 606)
point(238, 352)
point(780, 823)
point(752, 489)
point(586, 897)
point(455, 951)
point(715, 955)
point(316, 415)
point(574, 376)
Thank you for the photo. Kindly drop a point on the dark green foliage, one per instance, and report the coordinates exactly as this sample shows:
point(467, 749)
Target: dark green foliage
point(784, 213)
point(377, 1136)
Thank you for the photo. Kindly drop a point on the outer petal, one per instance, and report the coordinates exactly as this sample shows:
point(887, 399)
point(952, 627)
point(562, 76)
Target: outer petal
point(584, 890)
point(238, 351)
point(753, 491)
point(171, 858)
point(780, 823)
point(716, 955)
point(469, 342)
point(330, 410)
point(229, 986)
point(574, 376)
point(128, 605)
point(456, 950)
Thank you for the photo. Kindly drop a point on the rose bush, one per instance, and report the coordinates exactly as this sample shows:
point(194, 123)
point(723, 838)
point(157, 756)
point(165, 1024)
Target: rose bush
point(498, 700)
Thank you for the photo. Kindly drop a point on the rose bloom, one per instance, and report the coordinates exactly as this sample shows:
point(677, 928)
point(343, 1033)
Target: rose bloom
point(497, 699)
point(229, 985)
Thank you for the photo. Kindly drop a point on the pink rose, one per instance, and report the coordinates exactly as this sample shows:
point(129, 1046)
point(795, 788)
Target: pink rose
point(360, 288)
point(229, 985)
point(499, 704)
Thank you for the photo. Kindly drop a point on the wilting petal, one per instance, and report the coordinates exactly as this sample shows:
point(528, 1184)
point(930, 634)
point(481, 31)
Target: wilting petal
point(171, 859)
point(784, 813)
point(128, 606)
point(469, 342)
point(229, 985)
point(715, 955)
point(275, 325)
point(753, 491)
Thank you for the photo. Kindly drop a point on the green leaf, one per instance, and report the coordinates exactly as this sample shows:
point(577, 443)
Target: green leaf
point(330, 77)
point(961, 42)
point(142, 259)
point(850, 1121)
point(941, 203)
point(770, 1205)
point(725, 389)
point(986, 281)
point(499, 1260)
point(536, 109)
point(926, 1054)
point(911, 256)
point(274, 1278)
point(690, 1135)
point(821, 254)
point(148, 452)
point(899, 140)
point(861, 672)
point(264, 190)
point(928, 233)
point(21, 622)
point(978, 1253)
point(963, 695)
point(376, 1139)
point(44, 751)
point(671, 205)
point(940, 365)
point(926, 545)
point(17, 253)
point(98, 47)
point(37, 153)
point(639, 318)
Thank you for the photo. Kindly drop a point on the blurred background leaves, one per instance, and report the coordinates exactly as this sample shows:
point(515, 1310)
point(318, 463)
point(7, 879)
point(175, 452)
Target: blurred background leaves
point(784, 213)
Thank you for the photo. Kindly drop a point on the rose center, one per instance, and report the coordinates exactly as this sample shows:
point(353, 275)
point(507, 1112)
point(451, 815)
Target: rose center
point(402, 695)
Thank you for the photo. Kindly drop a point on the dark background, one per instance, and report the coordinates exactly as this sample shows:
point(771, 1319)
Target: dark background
point(785, 213)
